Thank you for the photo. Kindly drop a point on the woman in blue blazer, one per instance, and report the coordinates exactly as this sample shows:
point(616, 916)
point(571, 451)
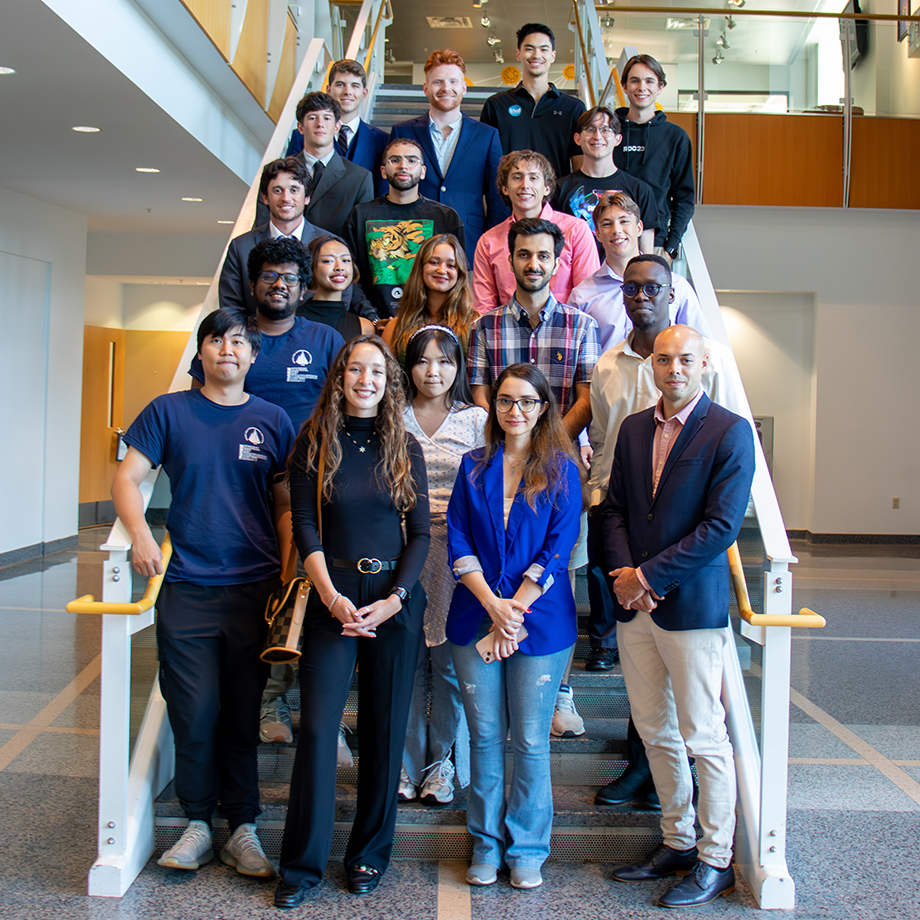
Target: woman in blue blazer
point(511, 524)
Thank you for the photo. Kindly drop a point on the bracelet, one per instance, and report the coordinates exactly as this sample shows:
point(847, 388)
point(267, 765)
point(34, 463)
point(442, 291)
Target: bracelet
point(335, 600)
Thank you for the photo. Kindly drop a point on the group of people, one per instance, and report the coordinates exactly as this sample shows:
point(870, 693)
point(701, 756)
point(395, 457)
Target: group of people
point(441, 481)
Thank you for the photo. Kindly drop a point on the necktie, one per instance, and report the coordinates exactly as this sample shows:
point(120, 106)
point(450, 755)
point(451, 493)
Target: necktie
point(341, 142)
point(318, 172)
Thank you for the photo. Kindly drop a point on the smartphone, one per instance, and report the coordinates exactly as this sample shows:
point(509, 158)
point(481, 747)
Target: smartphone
point(485, 646)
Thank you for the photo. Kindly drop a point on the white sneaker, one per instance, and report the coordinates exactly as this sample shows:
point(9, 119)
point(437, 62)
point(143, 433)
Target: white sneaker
point(567, 723)
point(343, 753)
point(522, 877)
point(408, 791)
point(244, 852)
point(438, 786)
point(191, 850)
point(275, 721)
point(481, 874)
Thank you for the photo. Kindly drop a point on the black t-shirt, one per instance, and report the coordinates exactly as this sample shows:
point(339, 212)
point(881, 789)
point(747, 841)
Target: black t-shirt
point(578, 195)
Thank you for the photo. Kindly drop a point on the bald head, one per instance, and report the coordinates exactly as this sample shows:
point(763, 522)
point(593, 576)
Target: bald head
point(678, 360)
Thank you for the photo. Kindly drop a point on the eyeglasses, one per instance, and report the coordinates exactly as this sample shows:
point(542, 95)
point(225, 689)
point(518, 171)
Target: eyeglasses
point(408, 160)
point(525, 404)
point(591, 130)
point(650, 290)
point(289, 278)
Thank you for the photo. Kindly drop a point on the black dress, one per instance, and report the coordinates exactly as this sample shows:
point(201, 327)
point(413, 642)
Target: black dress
point(361, 521)
point(332, 313)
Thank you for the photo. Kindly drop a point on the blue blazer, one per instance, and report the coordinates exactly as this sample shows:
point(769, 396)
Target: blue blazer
point(680, 536)
point(476, 527)
point(470, 177)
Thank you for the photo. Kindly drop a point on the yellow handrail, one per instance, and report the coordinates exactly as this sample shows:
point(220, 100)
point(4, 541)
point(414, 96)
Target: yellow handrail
point(804, 617)
point(584, 54)
point(373, 41)
point(88, 604)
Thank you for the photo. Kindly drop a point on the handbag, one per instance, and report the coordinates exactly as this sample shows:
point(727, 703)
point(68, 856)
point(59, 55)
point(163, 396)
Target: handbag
point(286, 608)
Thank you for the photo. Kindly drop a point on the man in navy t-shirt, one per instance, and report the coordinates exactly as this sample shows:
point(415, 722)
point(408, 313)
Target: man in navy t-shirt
point(224, 451)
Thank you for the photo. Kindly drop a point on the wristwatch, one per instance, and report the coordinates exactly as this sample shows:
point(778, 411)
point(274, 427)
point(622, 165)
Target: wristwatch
point(674, 253)
point(401, 593)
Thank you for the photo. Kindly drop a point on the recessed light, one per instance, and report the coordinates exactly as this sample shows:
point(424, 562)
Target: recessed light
point(146, 169)
point(202, 283)
point(226, 221)
point(193, 199)
point(7, 70)
point(85, 129)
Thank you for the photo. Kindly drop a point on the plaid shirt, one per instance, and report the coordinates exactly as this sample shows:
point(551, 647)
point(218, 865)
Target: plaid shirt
point(564, 346)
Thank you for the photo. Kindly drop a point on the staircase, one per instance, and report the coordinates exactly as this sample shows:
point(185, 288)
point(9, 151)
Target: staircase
point(396, 102)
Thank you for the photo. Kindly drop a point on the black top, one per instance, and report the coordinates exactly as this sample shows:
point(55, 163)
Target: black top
point(547, 126)
point(578, 195)
point(361, 520)
point(332, 313)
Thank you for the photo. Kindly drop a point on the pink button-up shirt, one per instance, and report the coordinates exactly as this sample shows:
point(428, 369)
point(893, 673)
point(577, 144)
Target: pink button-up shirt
point(493, 280)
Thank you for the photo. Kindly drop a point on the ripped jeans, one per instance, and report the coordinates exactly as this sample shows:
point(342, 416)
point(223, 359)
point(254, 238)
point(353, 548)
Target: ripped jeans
point(519, 692)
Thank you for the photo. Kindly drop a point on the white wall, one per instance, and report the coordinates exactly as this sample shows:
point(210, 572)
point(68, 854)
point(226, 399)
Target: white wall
point(860, 266)
point(42, 263)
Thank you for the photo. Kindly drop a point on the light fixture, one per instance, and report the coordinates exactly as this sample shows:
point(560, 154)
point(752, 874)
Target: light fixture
point(607, 21)
point(85, 129)
point(5, 71)
point(722, 41)
point(146, 169)
point(499, 57)
point(737, 4)
point(193, 199)
point(718, 58)
point(477, 5)
point(494, 40)
point(389, 56)
point(486, 22)
point(730, 20)
point(226, 221)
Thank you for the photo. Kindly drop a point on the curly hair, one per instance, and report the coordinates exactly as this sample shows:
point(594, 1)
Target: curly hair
point(457, 313)
point(511, 161)
point(321, 434)
point(543, 473)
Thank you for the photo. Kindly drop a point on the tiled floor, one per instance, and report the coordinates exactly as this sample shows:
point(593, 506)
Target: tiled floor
point(854, 791)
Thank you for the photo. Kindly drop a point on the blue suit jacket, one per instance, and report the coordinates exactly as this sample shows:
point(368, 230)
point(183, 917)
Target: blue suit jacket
point(476, 527)
point(470, 177)
point(680, 536)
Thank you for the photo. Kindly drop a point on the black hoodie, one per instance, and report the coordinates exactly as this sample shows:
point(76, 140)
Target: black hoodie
point(659, 153)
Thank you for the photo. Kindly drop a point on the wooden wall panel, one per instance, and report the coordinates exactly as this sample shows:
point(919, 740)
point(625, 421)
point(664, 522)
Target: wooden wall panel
point(780, 160)
point(249, 62)
point(213, 16)
point(883, 173)
point(97, 439)
point(287, 70)
point(687, 121)
point(150, 362)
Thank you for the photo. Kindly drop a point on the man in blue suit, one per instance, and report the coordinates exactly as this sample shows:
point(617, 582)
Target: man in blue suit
point(356, 140)
point(681, 479)
point(461, 155)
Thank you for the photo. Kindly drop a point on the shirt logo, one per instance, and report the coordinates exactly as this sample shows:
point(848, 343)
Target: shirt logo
point(252, 450)
point(633, 148)
point(396, 293)
point(302, 358)
point(254, 436)
point(557, 112)
point(514, 111)
point(300, 372)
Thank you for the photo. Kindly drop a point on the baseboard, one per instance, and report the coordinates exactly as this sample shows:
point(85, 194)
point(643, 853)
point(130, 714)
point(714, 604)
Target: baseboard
point(37, 550)
point(868, 539)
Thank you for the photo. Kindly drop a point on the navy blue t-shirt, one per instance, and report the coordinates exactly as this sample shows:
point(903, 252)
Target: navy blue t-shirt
point(221, 462)
point(291, 368)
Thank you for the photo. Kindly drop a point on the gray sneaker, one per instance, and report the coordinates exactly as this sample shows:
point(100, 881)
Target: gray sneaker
point(275, 721)
point(244, 852)
point(567, 723)
point(191, 850)
point(343, 756)
point(438, 785)
point(408, 791)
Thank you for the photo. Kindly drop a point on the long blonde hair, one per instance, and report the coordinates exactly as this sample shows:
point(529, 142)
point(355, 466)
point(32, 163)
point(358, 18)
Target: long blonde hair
point(457, 313)
point(321, 434)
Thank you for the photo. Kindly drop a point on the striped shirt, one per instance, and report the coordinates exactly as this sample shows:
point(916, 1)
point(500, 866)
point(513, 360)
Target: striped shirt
point(564, 346)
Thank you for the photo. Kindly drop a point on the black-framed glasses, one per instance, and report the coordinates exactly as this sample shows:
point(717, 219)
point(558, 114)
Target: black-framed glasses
point(525, 404)
point(650, 289)
point(289, 278)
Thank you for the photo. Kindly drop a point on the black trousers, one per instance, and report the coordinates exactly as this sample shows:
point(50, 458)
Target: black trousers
point(209, 638)
point(386, 670)
point(602, 626)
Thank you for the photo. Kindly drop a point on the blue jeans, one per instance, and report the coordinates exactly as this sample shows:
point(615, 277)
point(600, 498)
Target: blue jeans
point(519, 691)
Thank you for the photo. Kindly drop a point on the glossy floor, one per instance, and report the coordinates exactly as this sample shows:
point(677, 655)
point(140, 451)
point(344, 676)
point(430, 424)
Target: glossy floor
point(854, 817)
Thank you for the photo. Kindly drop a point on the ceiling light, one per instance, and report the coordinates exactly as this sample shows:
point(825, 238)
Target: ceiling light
point(499, 57)
point(7, 70)
point(737, 4)
point(607, 21)
point(731, 22)
point(486, 22)
point(494, 40)
point(193, 199)
point(477, 5)
point(226, 221)
point(85, 129)
point(146, 169)
point(718, 58)
point(722, 41)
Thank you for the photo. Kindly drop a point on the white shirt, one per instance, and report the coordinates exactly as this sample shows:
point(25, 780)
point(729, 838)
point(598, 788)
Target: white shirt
point(310, 160)
point(600, 296)
point(444, 147)
point(297, 232)
point(623, 383)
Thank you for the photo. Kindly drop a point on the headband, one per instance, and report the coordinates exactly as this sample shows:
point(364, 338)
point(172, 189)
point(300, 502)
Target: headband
point(450, 332)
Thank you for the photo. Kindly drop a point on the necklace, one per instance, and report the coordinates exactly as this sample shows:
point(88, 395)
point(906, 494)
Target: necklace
point(362, 448)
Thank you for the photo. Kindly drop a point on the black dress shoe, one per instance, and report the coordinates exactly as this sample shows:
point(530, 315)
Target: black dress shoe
point(634, 783)
point(363, 879)
point(663, 862)
point(704, 884)
point(601, 659)
point(288, 896)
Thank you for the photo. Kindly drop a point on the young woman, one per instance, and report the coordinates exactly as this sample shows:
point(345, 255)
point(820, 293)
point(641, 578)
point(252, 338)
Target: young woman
point(366, 608)
point(334, 283)
point(445, 422)
point(438, 291)
point(512, 522)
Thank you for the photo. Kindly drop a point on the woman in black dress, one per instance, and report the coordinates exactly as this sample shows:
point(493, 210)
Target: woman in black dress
point(366, 608)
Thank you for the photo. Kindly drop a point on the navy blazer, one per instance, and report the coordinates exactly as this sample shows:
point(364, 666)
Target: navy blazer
point(365, 149)
point(470, 177)
point(680, 536)
point(476, 527)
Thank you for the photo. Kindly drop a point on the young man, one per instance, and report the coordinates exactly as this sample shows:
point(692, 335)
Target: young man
point(285, 190)
point(535, 115)
point(385, 234)
point(597, 134)
point(681, 480)
point(356, 139)
point(224, 451)
point(526, 180)
point(461, 154)
point(656, 151)
point(619, 229)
